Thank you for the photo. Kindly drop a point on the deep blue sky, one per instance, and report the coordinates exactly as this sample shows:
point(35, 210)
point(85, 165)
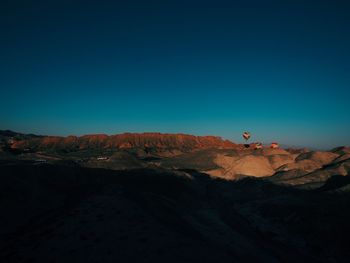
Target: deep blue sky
point(280, 69)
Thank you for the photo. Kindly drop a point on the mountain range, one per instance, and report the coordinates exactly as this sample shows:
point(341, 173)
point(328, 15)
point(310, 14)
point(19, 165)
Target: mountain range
point(156, 141)
point(208, 154)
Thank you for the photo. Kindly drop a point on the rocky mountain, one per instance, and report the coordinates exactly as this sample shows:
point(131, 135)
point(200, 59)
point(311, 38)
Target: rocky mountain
point(156, 142)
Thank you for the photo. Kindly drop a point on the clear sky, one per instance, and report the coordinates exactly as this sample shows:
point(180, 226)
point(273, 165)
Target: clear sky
point(279, 69)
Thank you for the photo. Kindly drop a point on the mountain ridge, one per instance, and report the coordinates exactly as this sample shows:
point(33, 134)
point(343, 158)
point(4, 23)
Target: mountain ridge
point(180, 141)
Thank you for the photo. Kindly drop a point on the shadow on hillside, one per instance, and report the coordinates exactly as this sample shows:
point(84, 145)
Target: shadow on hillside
point(188, 215)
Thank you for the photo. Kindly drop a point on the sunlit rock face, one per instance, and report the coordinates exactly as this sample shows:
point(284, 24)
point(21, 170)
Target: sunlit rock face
point(155, 141)
point(304, 169)
point(238, 166)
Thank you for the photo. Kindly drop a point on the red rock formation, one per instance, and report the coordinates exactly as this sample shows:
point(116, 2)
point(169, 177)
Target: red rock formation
point(183, 142)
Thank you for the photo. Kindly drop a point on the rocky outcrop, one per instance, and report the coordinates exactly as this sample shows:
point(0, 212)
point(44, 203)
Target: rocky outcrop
point(319, 157)
point(279, 160)
point(309, 169)
point(149, 141)
point(315, 179)
point(341, 150)
point(238, 166)
point(305, 165)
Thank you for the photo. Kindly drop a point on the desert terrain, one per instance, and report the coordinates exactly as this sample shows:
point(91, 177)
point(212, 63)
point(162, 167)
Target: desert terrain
point(155, 197)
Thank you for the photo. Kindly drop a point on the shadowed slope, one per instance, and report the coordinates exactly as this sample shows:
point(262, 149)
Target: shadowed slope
point(72, 214)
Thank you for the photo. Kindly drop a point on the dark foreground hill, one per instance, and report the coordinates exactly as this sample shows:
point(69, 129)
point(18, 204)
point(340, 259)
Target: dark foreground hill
point(67, 213)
